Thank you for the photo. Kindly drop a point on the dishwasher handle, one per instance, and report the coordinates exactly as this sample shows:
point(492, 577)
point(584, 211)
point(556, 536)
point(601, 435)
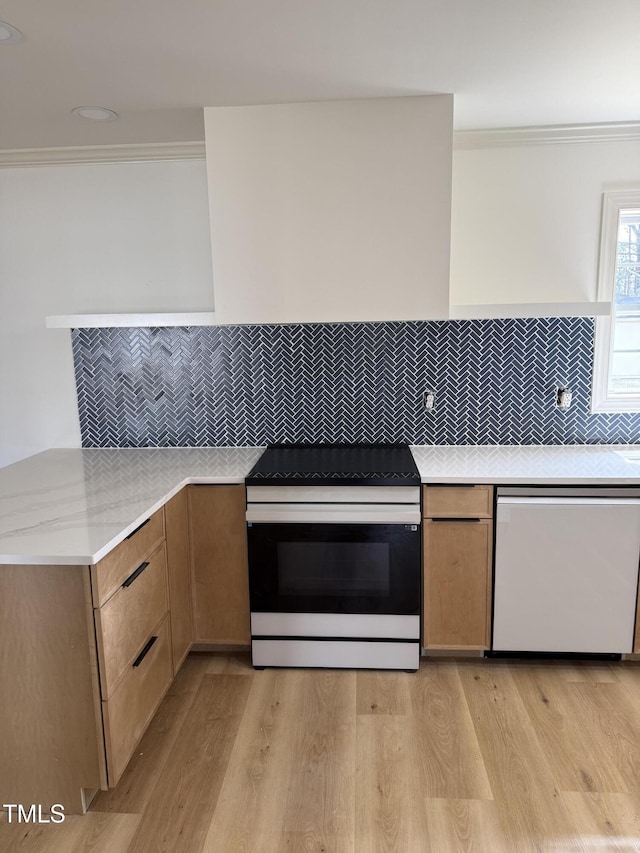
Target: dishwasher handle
point(567, 501)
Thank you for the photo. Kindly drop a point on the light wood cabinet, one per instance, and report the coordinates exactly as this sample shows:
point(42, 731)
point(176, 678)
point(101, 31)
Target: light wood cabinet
point(133, 638)
point(219, 565)
point(126, 621)
point(179, 572)
point(458, 502)
point(457, 557)
point(51, 741)
point(128, 712)
point(85, 660)
point(88, 652)
point(112, 570)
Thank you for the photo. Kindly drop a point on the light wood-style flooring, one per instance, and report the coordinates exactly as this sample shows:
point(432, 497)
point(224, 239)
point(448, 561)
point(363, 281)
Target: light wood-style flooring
point(487, 756)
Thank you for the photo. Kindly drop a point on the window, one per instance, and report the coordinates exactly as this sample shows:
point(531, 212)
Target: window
point(616, 374)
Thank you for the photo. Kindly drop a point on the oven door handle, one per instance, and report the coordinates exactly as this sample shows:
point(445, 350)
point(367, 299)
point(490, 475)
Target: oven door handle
point(332, 514)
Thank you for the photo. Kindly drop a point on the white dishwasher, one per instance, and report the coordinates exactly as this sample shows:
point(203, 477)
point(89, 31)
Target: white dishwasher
point(566, 569)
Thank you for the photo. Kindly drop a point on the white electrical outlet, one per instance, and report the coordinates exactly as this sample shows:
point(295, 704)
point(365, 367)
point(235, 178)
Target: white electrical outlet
point(563, 398)
point(429, 399)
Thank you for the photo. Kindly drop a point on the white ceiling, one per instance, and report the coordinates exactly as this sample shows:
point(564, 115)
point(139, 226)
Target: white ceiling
point(158, 62)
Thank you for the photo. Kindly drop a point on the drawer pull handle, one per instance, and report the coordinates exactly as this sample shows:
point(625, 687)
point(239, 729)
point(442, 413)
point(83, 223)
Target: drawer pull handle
point(464, 520)
point(135, 574)
point(144, 652)
point(450, 486)
point(140, 526)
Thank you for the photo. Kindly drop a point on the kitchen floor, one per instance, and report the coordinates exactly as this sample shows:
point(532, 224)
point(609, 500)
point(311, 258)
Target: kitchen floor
point(501, 757)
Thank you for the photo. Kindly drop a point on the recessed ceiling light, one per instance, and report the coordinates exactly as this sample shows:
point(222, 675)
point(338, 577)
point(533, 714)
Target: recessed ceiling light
point(95, 113)
point(9, 34)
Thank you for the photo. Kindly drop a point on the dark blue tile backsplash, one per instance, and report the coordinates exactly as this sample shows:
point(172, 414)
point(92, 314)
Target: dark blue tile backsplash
point(495, 383)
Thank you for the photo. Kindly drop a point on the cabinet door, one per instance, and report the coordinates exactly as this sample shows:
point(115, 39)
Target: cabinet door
point(179, 571)
point(218, 532)
point(457, 584)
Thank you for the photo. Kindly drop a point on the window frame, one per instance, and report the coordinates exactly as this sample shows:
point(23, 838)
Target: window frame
point(601, 400)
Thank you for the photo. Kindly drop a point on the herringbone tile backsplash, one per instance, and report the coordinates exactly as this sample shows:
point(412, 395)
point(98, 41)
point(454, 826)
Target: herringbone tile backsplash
point(495, 383)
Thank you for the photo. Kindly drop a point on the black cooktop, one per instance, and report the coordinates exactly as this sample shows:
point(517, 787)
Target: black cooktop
point(337, 464)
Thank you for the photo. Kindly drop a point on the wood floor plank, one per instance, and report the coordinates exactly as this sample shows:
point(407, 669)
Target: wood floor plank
point(601, 822)
point(628, 674)
point(321, 793)
point(555, 708)
point(133, 790)
point(522, 784)
point(90, 833)
point(251, 801)
point(290, 779)
point(612, 720)
point(182, 802)
point(390, 813)
point(444, 738)
point(294, 842)
point(464, 826)
point(230, 663)
point(588, 671)
point(384, 692)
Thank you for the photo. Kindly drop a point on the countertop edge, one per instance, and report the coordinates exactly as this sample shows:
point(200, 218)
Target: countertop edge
point(91, 559)
point(532, 481)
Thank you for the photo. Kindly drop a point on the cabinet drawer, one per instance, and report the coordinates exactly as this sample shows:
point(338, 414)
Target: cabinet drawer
point(112, 570)
point(457, 502)
point(128, 712)
point(125, 622)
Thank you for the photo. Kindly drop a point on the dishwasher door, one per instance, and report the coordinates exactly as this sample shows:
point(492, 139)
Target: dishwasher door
point(566, 570)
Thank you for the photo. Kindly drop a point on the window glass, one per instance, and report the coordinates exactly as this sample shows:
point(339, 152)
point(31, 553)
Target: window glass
point(616, 363)
point(624, 374)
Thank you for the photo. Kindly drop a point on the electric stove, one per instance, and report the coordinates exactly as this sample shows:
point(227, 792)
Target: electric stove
point(334, 556)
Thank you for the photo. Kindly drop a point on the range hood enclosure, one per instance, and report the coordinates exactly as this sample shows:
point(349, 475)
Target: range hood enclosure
point(331, 211)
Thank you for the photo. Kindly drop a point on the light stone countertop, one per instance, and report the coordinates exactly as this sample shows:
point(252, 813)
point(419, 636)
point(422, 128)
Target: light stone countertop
point(580, 465)
point(74, 506)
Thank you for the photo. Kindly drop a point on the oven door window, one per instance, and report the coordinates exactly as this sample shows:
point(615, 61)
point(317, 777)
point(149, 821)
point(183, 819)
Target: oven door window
point(328, 568)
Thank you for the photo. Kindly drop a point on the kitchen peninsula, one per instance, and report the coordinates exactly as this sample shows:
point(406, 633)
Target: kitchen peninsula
point(68, 645)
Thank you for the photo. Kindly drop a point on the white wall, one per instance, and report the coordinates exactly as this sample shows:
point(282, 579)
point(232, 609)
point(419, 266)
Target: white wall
point(112, 238)
point(331, 211)
point(526, 219)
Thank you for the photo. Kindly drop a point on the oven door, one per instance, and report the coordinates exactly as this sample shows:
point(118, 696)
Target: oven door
point(334, 568)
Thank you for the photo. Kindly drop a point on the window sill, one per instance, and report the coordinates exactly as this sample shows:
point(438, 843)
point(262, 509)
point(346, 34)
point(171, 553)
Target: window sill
point(603, 407)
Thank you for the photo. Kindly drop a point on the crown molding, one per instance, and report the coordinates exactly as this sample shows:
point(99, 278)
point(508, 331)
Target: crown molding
point(83, 154)
point(462, 139)
point(547, 135)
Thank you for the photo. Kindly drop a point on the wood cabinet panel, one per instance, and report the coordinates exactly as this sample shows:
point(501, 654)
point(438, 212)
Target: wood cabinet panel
point(112, 570)
point(125, 622)
point(179, 573)
point(219, 564)
point(457, 502)
point(51, 743)
point(457, 584)
point(130, 709)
